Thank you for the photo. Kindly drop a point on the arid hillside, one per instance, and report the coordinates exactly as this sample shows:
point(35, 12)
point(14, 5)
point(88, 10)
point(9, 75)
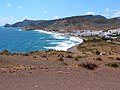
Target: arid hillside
point(69, 24)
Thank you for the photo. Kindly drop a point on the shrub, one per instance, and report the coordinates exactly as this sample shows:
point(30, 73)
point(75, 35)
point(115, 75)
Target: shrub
point(49, 50)
point(79, 55)
point(69, 56)
point(76, 59)
point(63, 63)
point(60, 59)
point(113, 64)
point(118, 58)
point(60, 55)
point(5, 52)
point(33, 51)
point(89, 66)
point(98, 52)
point(25, 54)
point(99, 59)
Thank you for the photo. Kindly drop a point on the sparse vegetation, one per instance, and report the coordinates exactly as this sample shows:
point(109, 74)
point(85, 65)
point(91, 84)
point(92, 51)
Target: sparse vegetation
point(60, 55)
point(25, 54)
point(118, 58)
point(63, 63)
point(49, 50)
point(113, 64)
point(33, 51)
point(98, 52)
point(60, 59)
point(89, 66)
point(69, 56)
point(99, 59)
point(79, 56)
point(5, 52)
point(76, 59)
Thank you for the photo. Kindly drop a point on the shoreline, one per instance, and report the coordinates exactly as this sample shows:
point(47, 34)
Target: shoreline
point(52, 70)
point(64, 41)
point(65, 34)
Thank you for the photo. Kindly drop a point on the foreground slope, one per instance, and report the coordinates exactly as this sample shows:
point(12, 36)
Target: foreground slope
point(96, 66)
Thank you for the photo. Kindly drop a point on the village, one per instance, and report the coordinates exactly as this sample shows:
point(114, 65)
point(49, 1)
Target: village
point(106, 34)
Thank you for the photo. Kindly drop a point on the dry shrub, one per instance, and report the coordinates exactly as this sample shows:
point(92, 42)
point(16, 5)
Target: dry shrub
point(76, 58)
point(63, 63)
point(118, 58)
point(89, 66)
point(69, 56)
point(60, 59)
point(5, 52)
point(99, 59)
point(113, 64)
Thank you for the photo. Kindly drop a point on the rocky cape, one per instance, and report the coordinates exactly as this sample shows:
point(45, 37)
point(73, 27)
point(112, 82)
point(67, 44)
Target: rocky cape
point(70, 24)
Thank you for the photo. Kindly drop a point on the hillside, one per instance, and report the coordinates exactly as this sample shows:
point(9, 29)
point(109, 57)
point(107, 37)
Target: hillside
point(91, 22)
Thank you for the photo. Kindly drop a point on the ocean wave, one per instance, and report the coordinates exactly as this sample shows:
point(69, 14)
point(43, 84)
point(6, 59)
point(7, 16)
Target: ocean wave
point(59, 36)
point(41, 38)
point(64, 46)
point(76, 39)
point(65, 43)
point(54, 34)
point(20, 30)
point(46, 32)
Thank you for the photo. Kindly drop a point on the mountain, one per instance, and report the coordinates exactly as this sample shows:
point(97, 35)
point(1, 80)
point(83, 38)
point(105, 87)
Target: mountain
point(25, 23)
point(69, 24)
point(118, 18)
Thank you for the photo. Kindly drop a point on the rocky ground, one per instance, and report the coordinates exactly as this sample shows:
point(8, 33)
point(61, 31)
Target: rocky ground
point(89, 66)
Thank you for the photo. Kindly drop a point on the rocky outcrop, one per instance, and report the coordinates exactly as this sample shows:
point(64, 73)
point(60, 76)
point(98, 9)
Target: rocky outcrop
point(69, 24)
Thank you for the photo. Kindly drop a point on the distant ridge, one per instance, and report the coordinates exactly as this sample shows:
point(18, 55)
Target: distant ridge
point(69, 24)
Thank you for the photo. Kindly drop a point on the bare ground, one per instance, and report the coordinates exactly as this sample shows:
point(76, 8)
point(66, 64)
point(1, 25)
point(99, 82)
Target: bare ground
point(89, 66)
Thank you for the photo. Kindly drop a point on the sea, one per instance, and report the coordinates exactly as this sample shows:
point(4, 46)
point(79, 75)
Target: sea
point(17, 40)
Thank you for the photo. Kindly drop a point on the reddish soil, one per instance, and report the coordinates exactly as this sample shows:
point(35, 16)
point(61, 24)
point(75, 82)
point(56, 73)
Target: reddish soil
point(89, 66)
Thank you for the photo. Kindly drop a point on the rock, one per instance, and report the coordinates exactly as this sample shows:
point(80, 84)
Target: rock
point(103, 53)
point(7, 25)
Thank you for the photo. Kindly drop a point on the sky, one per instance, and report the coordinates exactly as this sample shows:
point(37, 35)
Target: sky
point(12, 11)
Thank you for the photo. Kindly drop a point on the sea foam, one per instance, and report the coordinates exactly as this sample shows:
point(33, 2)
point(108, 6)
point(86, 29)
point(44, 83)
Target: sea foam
point(68, 41)
point(18, 40)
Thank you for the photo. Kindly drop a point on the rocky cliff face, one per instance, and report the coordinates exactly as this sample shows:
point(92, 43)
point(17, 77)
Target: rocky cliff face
point(91, 22)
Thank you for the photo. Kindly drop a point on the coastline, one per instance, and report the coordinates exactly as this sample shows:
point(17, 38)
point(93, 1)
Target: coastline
point(52, 70)
point(55, 40)
point(64, 34)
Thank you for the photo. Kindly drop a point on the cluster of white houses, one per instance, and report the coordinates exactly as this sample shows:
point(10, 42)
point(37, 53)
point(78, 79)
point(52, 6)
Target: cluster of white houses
point(107, 34)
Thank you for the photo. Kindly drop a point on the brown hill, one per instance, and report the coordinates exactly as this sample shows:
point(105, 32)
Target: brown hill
point(91, 22)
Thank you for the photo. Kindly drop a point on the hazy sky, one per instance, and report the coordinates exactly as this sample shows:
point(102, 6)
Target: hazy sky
point(18, 10)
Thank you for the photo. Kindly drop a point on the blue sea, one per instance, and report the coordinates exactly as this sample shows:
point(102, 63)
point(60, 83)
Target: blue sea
point(17, 40)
